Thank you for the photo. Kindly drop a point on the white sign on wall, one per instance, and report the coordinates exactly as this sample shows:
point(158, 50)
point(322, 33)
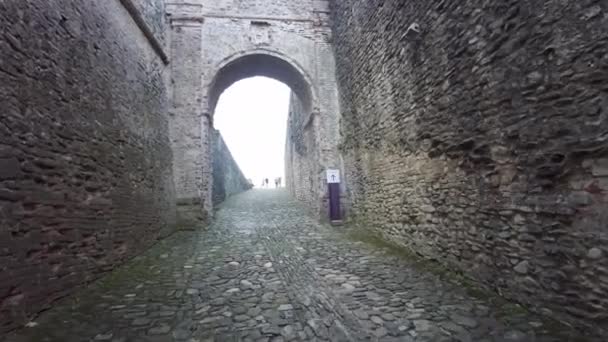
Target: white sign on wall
point(333, 176)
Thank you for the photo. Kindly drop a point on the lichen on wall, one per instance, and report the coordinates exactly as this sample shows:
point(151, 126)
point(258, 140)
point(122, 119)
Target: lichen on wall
point(480, 141)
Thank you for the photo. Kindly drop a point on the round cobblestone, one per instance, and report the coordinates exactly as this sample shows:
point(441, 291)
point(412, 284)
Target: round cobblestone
point(266, 271)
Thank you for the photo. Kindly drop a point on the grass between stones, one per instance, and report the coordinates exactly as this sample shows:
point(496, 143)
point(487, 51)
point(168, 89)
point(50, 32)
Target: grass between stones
point(506, 309)
point(135, 270)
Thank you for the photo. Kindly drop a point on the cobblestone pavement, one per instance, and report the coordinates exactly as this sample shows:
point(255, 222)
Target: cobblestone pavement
point(266, 271)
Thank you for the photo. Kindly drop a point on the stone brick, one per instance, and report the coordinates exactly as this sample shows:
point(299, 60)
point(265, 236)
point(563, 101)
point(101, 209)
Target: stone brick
point(599, 167)
point(9, 168)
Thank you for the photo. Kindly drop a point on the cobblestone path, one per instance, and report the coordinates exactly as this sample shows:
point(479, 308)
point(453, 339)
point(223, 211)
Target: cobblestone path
point(266, 271)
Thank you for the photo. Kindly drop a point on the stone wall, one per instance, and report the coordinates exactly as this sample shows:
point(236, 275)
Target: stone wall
point(85, 163)
point(191, 150)
point(481, 141)
point(228, 179)
point(304, 173)
point(153, 13)
point(300, 151)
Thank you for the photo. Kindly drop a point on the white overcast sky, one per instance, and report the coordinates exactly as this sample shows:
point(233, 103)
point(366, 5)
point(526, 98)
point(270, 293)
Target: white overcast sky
point(252, 117)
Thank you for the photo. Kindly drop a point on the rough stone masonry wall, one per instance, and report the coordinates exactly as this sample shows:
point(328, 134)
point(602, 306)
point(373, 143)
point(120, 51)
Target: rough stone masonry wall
point(228, 179)
point(153, 12)
point(85, 163)
point(481, 142)
point(301, 157)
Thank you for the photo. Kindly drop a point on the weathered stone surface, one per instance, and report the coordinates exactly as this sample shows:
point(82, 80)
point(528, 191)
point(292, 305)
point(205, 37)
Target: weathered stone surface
point(228, 179)
point(85, 162)
point(218, 42)
point(595, 253)
point(473, 134)
point(304, 168)
point(307, 306)
point(481, 140)
point(153, 13)
point(522, 267)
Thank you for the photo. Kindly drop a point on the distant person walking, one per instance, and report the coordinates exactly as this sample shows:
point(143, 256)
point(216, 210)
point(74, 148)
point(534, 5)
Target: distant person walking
point(266, 181)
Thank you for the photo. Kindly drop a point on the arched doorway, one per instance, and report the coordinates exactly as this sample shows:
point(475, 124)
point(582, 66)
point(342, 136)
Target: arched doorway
point(302, 109)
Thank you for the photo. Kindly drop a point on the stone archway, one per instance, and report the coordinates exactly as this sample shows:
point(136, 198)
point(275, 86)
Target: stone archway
point(261, 62)
point(213, 47)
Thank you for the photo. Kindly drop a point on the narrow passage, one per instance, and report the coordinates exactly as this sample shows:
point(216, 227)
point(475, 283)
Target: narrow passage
point(266, 271)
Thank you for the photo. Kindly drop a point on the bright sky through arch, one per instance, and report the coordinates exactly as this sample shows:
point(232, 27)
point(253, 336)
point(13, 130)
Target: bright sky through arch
point(252, 117)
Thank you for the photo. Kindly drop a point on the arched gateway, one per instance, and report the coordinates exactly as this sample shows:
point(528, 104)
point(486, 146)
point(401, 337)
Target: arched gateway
point(262, 62)
point(217, 43)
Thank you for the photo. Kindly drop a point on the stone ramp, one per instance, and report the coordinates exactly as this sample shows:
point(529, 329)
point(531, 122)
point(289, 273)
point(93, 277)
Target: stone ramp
point(266, 271)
